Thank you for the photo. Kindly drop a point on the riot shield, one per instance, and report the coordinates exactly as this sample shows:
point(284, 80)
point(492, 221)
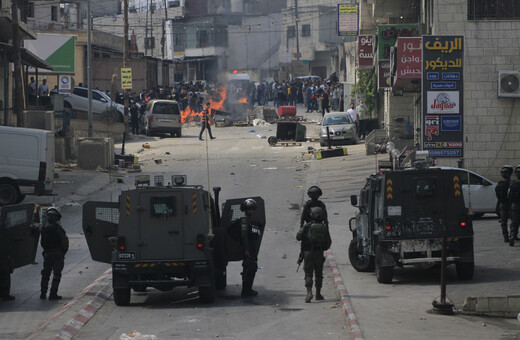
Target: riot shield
point(18, 236)
point(100, 222)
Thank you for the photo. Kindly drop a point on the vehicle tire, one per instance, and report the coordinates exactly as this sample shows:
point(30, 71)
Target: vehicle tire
point(465, 270)
point(8, 194)
point(383, 274)
point(207, 294)
point(360, 264)
point(122, 296)
point(272, 140)
point(178, 134)
point(220, 279)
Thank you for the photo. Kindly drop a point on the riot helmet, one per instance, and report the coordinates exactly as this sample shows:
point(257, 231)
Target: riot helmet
point(317, 214)
point(314, 192)
point(53, 215)
point(507, 169)
point(248, 204)
point(517, 171)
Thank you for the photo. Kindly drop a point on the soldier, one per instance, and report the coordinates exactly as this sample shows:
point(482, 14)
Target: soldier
point(5, 276)
point(314, 193)
point(315, 238)
point(55, 244)
point(501, 191)
point(514, 198)
point(251, 235)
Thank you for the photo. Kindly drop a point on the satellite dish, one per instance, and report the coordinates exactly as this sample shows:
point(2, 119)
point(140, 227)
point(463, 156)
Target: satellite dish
point(509, 83)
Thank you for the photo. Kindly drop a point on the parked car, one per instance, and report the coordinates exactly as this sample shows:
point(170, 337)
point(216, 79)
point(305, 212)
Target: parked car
point(341, 129)
point(162, 116)
point(101, 102)
point(26, 163)
point(309, 78)
point(483, 198)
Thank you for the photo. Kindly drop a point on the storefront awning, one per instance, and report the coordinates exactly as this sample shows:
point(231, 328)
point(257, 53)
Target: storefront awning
point(28, 58)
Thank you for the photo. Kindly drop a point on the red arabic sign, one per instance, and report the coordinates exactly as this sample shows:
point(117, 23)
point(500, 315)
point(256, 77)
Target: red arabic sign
point(366, 51)
point(383, 73)
point(409, 58)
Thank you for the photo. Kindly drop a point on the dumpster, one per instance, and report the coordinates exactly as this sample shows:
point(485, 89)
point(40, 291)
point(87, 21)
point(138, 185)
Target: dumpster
point(291, 131)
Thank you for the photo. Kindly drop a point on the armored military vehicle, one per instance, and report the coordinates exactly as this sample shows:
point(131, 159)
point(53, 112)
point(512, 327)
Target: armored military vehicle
point(166, 236)
point(402, 217)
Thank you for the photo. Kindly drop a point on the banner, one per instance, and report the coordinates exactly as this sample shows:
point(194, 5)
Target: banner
point(126, 78)
point(56, 49)
point(365, 51)
point(348, 20)
point(443, 95)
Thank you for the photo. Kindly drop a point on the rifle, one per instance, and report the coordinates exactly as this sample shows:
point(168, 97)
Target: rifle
point(300, 260)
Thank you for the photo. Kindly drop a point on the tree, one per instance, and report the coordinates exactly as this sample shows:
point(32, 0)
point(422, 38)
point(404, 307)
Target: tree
point(367, 86)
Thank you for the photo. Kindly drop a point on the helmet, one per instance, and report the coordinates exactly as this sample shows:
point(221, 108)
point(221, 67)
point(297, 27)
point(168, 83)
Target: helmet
point(54, 211)
point(507, 168)
point(317, 212)
point(248, 204)
point(517, 170)
point(314, 192)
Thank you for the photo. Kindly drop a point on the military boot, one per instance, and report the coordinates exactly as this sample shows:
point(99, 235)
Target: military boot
point(8, 297)
point(319, 297)
point(43, 295)
point(511, 241)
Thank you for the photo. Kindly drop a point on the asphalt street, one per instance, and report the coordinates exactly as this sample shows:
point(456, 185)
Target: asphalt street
point(244, 165)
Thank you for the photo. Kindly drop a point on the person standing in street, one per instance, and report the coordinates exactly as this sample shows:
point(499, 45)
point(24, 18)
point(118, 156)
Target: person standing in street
point(501, 191)
point(325, 102)
point(5, 275)
point(352, 112)
point(363, 116)
point(315, 238)
point(514, 198)
point(314, 194)
point(251, 237)
point(55, 244)
point(205, 122)
point(43, 92)
point(134, 116)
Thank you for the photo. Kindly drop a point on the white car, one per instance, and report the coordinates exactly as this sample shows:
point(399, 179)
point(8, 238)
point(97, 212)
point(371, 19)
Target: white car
point(483, 198)
point(78, 101)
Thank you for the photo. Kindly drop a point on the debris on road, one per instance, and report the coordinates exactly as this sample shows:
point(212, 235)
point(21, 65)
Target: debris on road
point(146, 146)
point(158, 161)
point(135, 335)
point(261, 136)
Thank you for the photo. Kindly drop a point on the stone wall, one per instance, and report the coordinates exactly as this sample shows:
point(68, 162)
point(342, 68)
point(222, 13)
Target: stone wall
point(491, 124)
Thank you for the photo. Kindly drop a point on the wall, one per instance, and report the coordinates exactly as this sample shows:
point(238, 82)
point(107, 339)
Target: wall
point(491, 124)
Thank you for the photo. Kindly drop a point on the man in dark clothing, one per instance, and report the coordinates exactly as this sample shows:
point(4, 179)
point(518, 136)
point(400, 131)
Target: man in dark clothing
point(325, 102)
point(134, 116)
point(314, 193)
point(55, 244)
point(501, 191)
point(205, 122)
point(251, 235)
point(5, 276)
point(514, 198)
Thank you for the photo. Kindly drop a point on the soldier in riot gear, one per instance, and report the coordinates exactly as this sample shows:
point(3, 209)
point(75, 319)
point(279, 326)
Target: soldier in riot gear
point(251, 235)
point(55, 244)
point(315, 238)
point(514, 198)
point(501, 191)
point(314, 194)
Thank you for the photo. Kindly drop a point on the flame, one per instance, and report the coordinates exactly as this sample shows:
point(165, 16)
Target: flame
point(216, 101)
point(243, 100)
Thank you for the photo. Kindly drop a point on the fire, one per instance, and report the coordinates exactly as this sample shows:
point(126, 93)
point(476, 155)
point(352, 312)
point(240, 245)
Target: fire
point(243, 100)
point(216, 103)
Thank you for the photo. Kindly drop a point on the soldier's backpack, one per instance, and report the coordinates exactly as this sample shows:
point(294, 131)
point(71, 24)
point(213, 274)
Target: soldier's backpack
point(319, 236)
point(501, 190)
point(514, 192)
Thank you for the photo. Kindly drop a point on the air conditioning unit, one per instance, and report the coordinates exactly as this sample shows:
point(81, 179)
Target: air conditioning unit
point(509, 84)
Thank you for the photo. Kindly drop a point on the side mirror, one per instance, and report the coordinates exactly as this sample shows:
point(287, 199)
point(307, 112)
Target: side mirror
point(353, 200)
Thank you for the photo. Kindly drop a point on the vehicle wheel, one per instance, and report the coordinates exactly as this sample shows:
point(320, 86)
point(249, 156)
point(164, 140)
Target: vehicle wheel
point(272, 140)
point(383, 274)
point(465, 270)
point(8, 194)
point(220, 279)
point(207, 294)
point(360, 262)
point(178, 134)
point(122, 296)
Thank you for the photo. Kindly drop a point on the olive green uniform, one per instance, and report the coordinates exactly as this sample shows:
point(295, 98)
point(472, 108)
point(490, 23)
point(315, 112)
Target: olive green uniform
point(313, 259)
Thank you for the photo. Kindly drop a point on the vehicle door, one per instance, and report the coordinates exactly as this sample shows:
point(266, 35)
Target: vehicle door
point(165, 114)
point(482, 192)
point(99, 103)
point(428, 204)
point(231, 227)
point(100, 223)
point(79, 99)
point(161, 233)
point(19, 237)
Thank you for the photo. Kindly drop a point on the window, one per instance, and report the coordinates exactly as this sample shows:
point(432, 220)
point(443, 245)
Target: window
point(494, 9)
point(425, 187)
point(14, 218)
point(107, 215)
point(54, 13)
point(149, 42)
point(30, 10)
point(163, 206)
point(291, 32)
point(165, 108)
point(202, 38)
point(98, 97)
point(80, 92)
point(474, 179)
point(179, 42)
point(306, 30)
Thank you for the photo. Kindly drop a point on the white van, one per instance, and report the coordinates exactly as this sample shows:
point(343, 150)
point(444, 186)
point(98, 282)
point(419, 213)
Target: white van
point(163, 116)
point(26, 163)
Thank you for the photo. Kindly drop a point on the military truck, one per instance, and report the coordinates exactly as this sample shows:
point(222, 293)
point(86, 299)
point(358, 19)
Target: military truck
point(402, 217)
point(166, 236)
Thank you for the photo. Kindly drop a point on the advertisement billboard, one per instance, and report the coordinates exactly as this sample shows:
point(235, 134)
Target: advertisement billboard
point(348, 20)
point(56, 49)
point(365, 51)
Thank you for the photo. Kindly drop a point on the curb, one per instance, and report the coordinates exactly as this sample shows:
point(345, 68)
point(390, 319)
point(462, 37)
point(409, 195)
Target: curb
point(501, 306)
point(346, 304)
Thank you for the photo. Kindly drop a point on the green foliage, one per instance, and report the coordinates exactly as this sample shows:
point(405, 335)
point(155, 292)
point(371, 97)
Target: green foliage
point(367, 86)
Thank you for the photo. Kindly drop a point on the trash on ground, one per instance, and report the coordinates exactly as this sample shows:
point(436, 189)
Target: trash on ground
point(167, 153)
point(261, 136)
point(252, 130)
point(135, 335)
point(260, 122)
point(232, 174)
point(158, 161)
point(146, 146)
point(271, 168)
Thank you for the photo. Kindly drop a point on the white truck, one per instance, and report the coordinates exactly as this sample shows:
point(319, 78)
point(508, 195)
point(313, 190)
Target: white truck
point(26, 163)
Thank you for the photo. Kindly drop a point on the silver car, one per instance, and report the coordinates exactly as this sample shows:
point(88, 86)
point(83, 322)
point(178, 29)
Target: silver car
point(341, 129)
point(163, 116)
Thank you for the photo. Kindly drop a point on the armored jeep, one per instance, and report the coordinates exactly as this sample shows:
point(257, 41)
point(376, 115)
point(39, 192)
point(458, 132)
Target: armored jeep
point(166, 236)
point(402, 218)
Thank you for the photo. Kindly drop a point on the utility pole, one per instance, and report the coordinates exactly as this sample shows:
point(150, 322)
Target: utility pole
point(297, 30)
point(89, 69)
point(146, 31)
point(163, 40)
point(18, 82)
point(125, 63)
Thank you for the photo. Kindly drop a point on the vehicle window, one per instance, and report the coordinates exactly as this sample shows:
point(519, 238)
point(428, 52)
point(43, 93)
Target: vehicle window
point(96, 96)
point(108, 215)
point(164, 108)
point(80, 92)
point(337, 120)
point(474, 179)
point(425, 187)
point(236, 213)
point(149, 107)
point(163, 206)
point(14, 218)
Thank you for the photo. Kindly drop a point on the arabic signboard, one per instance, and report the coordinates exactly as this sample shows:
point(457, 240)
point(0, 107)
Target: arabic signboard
point(383, 74)
point(387, 36)
point(348, 20)
point(409, 58)
point(126, 78)
point(365, 51)
point(443, 95)
point(65, 84)
point(56, 49)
